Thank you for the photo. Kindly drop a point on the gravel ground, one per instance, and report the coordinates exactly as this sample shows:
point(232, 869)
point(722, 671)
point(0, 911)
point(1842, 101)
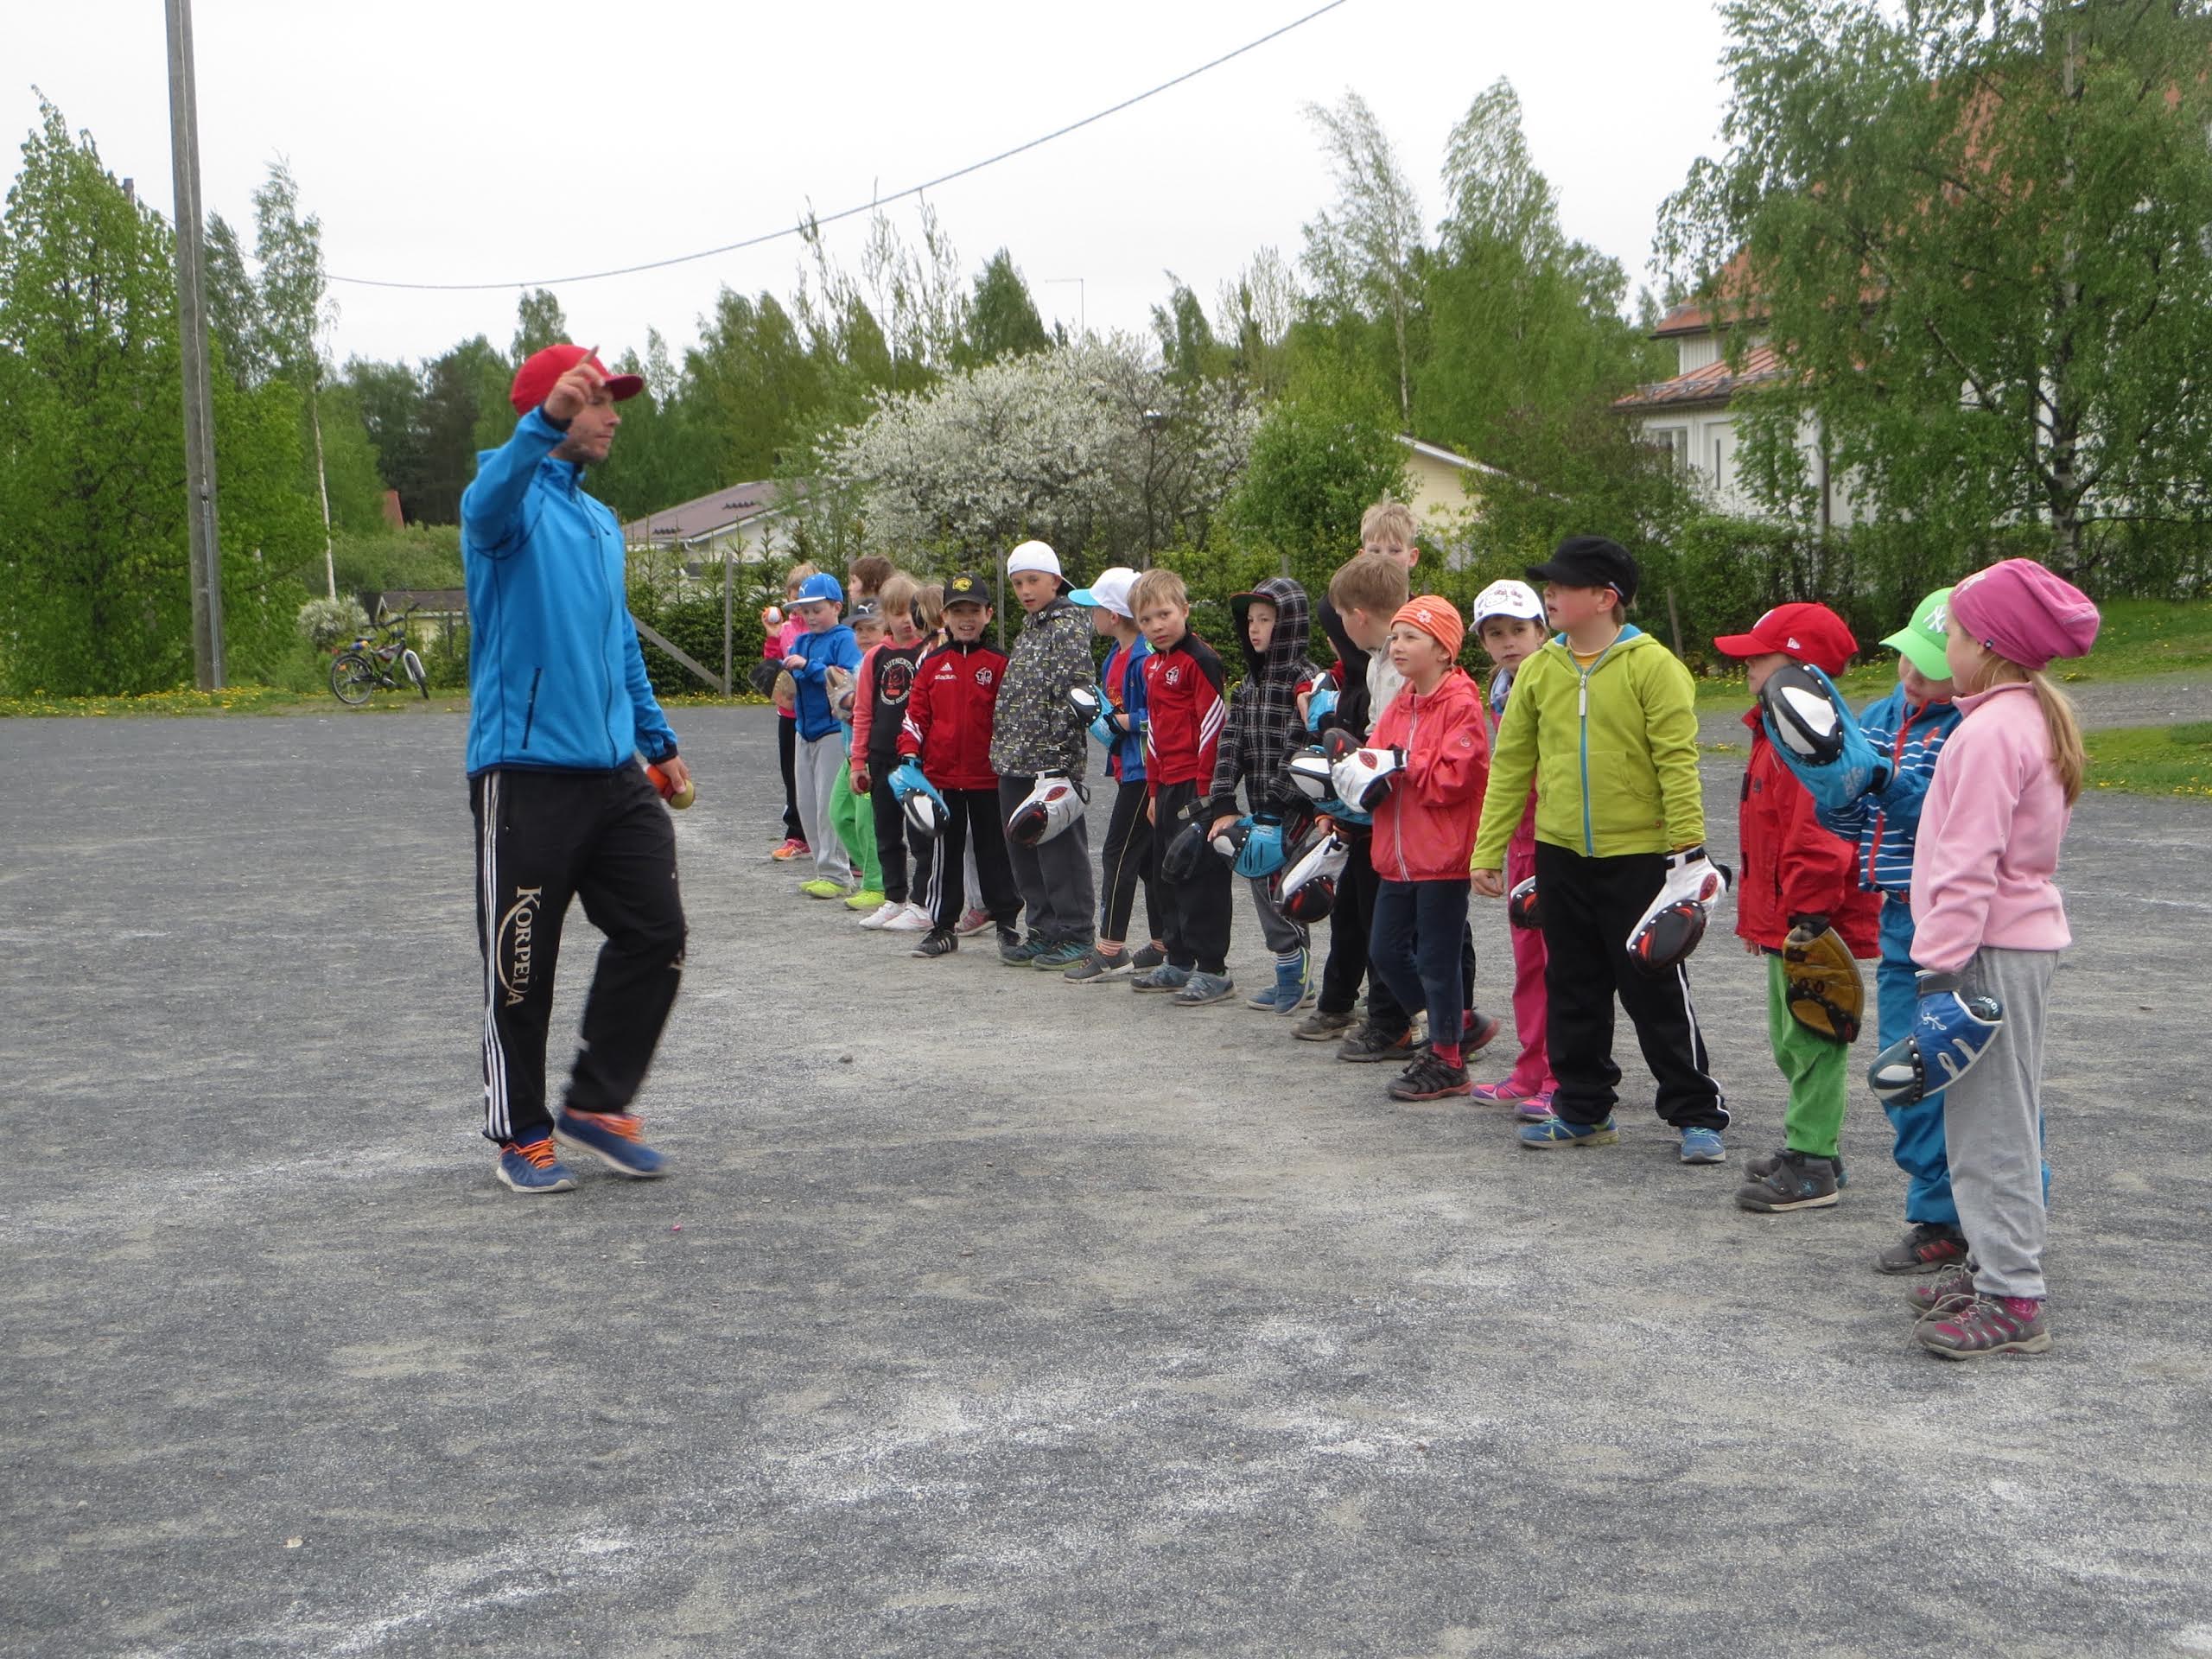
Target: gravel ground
point(987, 1316)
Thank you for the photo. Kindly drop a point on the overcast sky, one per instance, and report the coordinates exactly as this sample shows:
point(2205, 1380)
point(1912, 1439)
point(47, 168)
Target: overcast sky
point(470, 141)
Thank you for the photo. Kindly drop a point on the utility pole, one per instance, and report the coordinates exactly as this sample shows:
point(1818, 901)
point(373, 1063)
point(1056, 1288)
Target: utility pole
point(207, 555)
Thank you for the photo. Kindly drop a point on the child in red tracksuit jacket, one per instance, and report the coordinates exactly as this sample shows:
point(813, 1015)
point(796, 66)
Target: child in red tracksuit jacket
point(948, 727)
point(1798, 880)
point(1424, 835)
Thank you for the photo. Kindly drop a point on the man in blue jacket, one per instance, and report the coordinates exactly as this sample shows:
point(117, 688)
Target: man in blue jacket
point(559, 712)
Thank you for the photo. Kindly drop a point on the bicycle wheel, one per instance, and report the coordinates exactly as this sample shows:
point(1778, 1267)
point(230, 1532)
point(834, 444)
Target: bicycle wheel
point(413, 664)
point(353, 678)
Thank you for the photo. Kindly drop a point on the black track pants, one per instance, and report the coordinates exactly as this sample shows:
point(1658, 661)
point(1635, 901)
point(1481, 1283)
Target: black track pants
point(543, 837)
point(1589, 906)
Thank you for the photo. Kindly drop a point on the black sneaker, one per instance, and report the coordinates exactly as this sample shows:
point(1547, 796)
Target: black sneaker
point(937, 942)
point(1148, 957)
point(1930, 1247)
point(1372, 1042)
point(1794, 1180)
point(1429, 1078)
point(1764, 1163)
point(1018, 952)
point(1322, 1027)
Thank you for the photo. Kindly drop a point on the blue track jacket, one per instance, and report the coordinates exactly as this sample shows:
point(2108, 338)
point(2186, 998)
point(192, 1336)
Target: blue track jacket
point(833, 647)
point(556, 679)
point(1885, 822)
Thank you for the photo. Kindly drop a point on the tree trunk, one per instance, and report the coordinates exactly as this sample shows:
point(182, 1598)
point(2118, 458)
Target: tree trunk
point(323, 487)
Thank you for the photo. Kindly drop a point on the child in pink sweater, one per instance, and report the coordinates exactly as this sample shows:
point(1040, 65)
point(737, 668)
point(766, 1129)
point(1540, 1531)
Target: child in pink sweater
point(1985, 908)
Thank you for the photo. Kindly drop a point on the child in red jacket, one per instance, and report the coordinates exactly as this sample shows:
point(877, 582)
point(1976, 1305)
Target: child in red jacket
point(1798, 881)
point(1434, 746)
point(948, 728)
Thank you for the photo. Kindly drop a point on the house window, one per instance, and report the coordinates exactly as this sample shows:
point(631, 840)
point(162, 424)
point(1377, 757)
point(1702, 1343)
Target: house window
point(1673, 442)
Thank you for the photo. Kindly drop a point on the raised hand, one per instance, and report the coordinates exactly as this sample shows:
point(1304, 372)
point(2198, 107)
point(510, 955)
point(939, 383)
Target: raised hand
point(573, 392)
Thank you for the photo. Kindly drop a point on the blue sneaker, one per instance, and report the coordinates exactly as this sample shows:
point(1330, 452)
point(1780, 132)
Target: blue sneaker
point(1703, 1147)
point(616, 1139)
point(1018, 952)
point(1201, 988)
point(1166, 977)
point(1553, 1132)
point(533, 1166)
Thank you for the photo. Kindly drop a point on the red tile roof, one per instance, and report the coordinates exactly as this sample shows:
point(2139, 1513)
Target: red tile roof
point(1713, 384)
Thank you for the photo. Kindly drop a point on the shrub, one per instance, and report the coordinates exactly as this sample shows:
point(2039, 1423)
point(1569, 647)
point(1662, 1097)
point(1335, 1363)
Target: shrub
point(326, 623)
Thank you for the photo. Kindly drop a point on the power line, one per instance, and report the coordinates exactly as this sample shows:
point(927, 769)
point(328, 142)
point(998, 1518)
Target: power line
point(862, 208)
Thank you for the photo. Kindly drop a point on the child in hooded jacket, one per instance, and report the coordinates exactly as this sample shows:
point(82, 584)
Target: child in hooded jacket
point(1985, 909)
point(1263, 731)
point(1424, 834)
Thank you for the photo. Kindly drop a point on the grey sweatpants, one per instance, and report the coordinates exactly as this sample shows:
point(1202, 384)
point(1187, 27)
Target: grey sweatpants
point(1992, 1128)
point(1055, 878)
point(815, 767)
point(1283, 936)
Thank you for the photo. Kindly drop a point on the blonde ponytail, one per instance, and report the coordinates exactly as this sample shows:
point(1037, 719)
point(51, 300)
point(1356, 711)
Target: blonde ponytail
point(2067, 754)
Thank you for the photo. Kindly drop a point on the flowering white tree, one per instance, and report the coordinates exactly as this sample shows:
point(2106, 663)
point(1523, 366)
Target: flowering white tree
point(1087, 445)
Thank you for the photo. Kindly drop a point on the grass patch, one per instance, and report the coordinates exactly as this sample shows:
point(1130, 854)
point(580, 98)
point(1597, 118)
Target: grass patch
point(231, 700)
point(2140, 638)
point(2152, 759)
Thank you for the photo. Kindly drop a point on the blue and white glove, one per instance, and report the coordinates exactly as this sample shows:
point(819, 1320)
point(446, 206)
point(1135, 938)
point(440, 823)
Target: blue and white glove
point(1951, 1031)
point(1102, 730)
point(1262, 854)
point(908, 780)
point(1824, 747)
point(1321, 699)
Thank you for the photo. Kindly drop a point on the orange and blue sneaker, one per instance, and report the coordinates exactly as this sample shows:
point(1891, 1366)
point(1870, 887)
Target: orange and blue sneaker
point(616, 1139)
point(534, 1166)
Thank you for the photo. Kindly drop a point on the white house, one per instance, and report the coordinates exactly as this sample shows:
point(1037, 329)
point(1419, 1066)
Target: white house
point(1688, 415)
point(733, 524)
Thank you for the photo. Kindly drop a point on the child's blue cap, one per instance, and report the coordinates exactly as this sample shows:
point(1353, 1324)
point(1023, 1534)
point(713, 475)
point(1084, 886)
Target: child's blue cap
point(821, 585)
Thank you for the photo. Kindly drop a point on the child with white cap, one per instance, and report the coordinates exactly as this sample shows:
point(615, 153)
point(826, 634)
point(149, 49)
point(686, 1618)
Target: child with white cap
point(1127, 858)
point(1036, 730)
point(1508, 621)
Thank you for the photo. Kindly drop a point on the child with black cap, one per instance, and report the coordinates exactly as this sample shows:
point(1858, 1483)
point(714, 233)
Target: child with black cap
point(1603, 721)
point(950, 715)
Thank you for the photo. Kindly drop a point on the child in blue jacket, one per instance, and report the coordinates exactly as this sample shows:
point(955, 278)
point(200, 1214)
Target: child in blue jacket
point(820, 754)
point(1907, 730)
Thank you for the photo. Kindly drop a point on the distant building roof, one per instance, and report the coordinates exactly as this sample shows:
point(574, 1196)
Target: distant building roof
point(711, 515)
point(1437, 452)
point(1713, 384)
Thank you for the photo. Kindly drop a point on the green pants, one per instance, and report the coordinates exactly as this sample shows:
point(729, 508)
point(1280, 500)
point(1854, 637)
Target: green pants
point(1816, 1068)
point(854, 818)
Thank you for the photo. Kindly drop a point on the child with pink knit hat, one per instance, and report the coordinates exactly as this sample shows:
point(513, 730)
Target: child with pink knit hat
point(1988, 921)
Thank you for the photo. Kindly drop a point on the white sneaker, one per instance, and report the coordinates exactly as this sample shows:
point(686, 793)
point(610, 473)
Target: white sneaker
point(911, 919)
point(882, 914)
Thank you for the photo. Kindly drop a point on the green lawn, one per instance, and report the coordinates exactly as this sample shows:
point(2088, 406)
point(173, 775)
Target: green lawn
point(2152, 759)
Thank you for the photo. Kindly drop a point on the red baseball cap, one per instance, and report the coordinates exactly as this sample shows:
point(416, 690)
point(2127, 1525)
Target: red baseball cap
point(541, 369)
point(1811, 634)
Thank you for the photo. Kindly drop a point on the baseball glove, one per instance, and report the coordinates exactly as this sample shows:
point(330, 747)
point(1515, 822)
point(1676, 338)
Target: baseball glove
point(1826, 994)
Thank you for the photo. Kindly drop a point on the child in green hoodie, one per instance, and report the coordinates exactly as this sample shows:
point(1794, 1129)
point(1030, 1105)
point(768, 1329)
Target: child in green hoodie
point(1603, 722)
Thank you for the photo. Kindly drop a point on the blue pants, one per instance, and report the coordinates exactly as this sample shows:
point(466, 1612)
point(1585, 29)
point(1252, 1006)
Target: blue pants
point(1920, 1148)
point(1415, 948)
point(1920, 1126)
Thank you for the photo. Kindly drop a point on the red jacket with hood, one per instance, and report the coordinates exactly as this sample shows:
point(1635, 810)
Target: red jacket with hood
point(1425, 827)
point(1791, 866)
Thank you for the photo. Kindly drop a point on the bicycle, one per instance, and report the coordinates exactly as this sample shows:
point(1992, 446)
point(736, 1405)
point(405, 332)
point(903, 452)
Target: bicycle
point(357, 671)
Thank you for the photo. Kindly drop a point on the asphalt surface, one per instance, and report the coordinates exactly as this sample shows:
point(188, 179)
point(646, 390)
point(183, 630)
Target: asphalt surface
point(983, 1315)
